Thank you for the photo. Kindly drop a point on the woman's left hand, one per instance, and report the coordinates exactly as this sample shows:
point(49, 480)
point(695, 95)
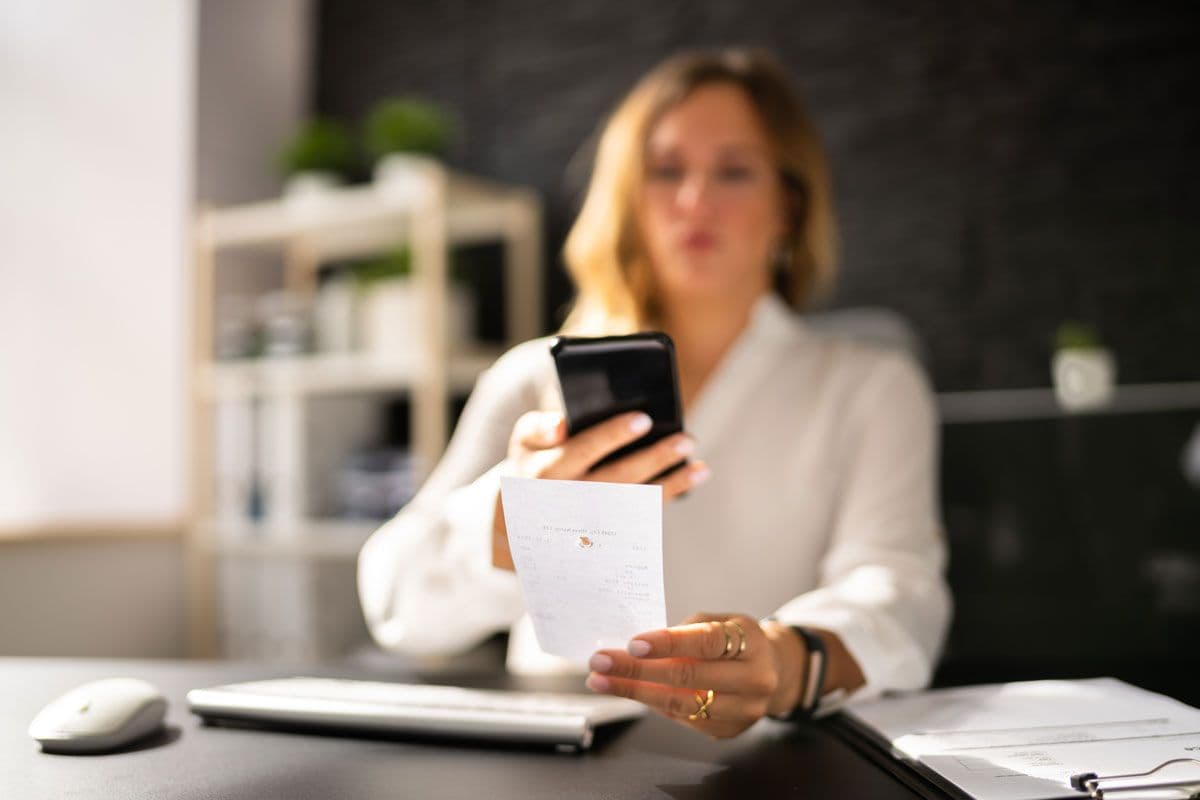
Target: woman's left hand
point(750, 671)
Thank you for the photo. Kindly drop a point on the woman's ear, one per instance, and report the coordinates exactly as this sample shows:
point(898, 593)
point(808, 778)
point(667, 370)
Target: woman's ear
point(795, 204)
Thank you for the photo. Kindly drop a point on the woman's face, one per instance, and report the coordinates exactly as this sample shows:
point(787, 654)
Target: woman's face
point(712, 210)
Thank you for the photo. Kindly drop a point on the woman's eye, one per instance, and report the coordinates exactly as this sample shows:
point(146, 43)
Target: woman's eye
point(665, 172)
point(734, 174)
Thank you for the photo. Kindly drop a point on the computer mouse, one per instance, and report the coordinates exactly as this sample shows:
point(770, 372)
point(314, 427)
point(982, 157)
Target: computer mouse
point(99, 716)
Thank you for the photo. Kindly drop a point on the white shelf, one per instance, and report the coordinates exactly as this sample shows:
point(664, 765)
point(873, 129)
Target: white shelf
point(358, 220)
point(333, 539)
point(1003, 405)
point(335, 373)
point(441, 208)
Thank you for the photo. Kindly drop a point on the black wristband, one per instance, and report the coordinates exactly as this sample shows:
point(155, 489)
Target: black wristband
point(814, 675)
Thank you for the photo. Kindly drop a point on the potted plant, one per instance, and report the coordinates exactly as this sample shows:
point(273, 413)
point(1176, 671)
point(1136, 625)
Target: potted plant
point(314, 160)
point(390, 312)
point(1085, 372)
point(404, 137)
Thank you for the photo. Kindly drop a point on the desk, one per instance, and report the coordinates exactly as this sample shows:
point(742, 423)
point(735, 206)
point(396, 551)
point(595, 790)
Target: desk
point(648, 758)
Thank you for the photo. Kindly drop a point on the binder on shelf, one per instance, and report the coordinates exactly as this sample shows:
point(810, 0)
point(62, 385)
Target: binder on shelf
point(233, 461)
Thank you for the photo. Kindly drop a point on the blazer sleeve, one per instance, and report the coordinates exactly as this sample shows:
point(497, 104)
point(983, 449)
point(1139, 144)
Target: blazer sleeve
point(881, 587)
point(425, 578)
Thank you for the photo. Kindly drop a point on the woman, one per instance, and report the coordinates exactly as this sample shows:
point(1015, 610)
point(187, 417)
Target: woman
point(816, 528)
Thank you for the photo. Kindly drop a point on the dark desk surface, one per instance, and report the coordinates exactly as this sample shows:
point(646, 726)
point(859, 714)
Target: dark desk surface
point(648, 758)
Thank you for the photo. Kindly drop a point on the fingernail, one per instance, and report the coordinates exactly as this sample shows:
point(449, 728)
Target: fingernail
point(597, 683)
point(600, 662)
point(685, 447)
point(639, 648)
point(700, 476)
point(641, 423)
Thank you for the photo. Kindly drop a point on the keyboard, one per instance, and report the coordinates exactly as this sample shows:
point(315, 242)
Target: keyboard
point(567, 721)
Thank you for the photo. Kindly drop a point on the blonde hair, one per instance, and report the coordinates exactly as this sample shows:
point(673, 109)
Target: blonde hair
point(604, 254)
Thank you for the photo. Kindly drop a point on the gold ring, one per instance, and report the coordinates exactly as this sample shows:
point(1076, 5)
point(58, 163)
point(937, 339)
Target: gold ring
point(702, 705)
point(728, 642)
point(741, 648)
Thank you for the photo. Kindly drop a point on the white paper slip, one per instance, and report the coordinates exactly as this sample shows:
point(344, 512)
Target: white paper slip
point(1024, 741)
point(589, 558)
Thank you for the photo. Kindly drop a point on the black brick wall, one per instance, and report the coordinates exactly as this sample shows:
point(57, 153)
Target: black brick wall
point(1000, 166)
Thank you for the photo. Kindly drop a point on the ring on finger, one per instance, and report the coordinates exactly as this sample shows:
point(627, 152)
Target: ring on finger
point(728, 643)
point(741, 647)
point(704, 701)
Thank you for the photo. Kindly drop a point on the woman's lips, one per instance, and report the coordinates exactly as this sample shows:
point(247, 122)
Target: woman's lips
point(698, 241)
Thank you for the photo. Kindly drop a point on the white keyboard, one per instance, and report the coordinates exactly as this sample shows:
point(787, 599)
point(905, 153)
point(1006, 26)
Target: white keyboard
point(565, 720)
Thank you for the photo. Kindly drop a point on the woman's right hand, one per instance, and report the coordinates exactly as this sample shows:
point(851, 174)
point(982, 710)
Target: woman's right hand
point(540, 448)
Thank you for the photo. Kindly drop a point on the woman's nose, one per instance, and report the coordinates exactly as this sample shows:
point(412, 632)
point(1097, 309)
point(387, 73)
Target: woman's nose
point(694, 193)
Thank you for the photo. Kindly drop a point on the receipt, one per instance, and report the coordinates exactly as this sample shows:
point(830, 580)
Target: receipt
point(589, 558)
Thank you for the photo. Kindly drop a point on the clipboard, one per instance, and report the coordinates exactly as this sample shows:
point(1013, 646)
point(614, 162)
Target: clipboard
point(1033, 740)
point(1093, 784)
point(925, 783)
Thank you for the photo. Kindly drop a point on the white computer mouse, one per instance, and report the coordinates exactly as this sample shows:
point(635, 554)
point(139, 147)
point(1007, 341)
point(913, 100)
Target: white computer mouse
point(98, 716)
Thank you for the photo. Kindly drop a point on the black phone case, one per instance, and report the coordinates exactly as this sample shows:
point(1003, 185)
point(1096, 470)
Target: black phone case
point(601, 377)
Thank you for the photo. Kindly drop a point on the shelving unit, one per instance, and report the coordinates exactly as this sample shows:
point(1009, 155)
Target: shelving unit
point(333, 539)
point(333, 373)
point(1008, 405)
point(441, 209)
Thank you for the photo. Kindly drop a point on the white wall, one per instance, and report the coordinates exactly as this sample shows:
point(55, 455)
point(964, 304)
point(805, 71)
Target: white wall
point(96, 101)
point(98, 150)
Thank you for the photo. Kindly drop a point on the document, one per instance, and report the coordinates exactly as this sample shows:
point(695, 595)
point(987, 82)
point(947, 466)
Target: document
point(589, 558)
point(1024, 741)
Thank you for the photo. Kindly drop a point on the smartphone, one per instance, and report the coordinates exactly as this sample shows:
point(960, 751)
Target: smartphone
point(604, 376)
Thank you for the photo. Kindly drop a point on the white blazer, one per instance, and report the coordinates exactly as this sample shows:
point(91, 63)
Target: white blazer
point(822, 507)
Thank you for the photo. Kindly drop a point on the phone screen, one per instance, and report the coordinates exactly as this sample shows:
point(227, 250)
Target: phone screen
point(605, 376)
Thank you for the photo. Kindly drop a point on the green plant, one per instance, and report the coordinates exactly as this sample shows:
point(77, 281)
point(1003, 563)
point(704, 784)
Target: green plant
point(406, 125)
point(394, 264)
point(1073, 335)
point(322, 145)
point(397, 263)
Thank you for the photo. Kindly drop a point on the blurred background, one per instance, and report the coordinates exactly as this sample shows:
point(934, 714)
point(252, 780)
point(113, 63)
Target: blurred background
point(255, 253)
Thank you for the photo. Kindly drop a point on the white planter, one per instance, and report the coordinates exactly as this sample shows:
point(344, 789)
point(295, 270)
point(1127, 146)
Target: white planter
point(309, 191)
point(392, 320)
point(1084, 378)
point(333, 316)
point(403, 177)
